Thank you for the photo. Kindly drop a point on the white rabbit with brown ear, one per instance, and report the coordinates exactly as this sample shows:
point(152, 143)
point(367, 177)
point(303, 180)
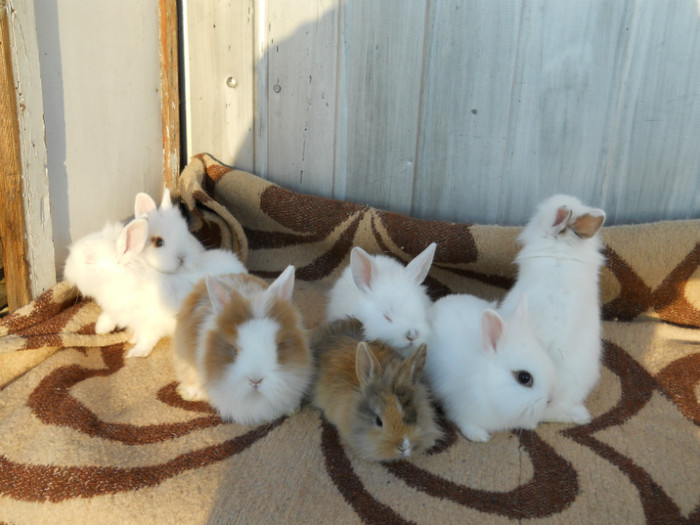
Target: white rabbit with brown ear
point(386, 297)
point(487, 370)
point(558, 267)
point(241, 344)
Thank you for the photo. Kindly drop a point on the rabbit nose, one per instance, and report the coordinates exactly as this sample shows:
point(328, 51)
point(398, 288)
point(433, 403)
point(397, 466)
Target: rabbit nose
point(256, 381)
point(411, 335)
point(404, 447)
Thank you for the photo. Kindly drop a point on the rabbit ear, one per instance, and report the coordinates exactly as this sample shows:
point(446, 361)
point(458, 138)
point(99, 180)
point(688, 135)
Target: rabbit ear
point(283, 286)
point(521, 308)
point(419, 267)
point(561, 219)
point(587, 225)
point(363, 271)
point(491, 330)
point(366, 364)
point(412, 368)
point(165, 202)
point(143, 204)
point(132, 238)
point(218, 295)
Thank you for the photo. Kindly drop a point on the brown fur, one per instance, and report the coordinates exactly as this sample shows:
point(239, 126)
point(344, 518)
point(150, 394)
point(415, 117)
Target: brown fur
point(292, 336)
point(586, 226)
point(393, 393)
point(221, 351)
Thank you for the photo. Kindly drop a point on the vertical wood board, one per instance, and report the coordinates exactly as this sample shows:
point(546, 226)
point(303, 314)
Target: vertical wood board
point(220, 80)
point(302, 43)
point(383, 57)
point(466, 109)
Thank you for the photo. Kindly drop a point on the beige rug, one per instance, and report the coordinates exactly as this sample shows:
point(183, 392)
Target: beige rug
point(89, 437)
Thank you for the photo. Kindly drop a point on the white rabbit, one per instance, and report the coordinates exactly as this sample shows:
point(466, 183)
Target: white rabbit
point(488, 372)
point(108, 266)
point(170, 247)
point(558, 268)
point(386, 297)
point(140, 273)
point(241, 345)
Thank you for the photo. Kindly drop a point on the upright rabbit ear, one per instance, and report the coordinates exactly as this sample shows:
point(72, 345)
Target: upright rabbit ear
point(366, 364)
point(143, 204)
point(561, 219)
point(362, 268)
point(522, 310)
point(132, 238)
point(283, 286)
point(166, 203)
point(491, 330)
point(218, 294)
point(588, 224)
point(419, 267)
point(412, 368)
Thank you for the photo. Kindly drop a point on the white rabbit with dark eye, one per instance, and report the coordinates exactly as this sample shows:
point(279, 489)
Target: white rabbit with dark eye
point(242, 345)
point(386, 297)
point(140, 273)
point(558, 268)
point(108, 267)
point(488, 372)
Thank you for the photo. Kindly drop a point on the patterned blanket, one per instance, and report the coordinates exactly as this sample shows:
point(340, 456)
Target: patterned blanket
point(88, 436)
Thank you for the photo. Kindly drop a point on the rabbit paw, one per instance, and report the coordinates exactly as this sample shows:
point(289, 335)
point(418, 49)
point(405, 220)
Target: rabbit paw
point(474, 433)
point(577, 414)
point(105, 324)
point(191, 393)
point(140, 349)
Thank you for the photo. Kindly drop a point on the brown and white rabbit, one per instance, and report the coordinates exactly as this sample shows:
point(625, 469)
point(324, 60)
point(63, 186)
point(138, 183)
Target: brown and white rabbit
point(372, 394)
point(558, 269)
point(241, 344)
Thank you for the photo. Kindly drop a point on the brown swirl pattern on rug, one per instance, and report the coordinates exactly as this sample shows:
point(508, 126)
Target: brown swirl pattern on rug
point(91, 435)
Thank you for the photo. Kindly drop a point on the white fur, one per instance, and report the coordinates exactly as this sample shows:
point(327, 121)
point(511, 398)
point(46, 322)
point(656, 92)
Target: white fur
point(139, 285)
point(386, 297)
point(470, 367)
point(255, 388)
point(559, 271)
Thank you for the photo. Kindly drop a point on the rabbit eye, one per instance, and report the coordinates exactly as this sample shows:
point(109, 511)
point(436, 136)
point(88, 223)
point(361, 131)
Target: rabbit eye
point(379, 422)
point(158, 242)
point(524, 378)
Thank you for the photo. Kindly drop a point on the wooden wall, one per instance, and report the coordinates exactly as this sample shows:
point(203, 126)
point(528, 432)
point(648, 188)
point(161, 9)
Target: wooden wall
point(454, 109)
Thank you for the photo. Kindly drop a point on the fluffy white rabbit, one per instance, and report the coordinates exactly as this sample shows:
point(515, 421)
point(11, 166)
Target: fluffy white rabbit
point(386, 297)
point(140, 273)
point(241, 344)
point(558, 268)
point(488, 372)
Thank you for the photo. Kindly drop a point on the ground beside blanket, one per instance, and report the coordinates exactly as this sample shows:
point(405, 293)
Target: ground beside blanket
point(88, 436)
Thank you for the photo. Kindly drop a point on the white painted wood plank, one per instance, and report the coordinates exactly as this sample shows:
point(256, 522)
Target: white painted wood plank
point(653, 167)
point(220, 80)
point(30, 111)
point(383, 59)
point(466, 101)
point(302, 48)
point(566, 86)
point(100, 78)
